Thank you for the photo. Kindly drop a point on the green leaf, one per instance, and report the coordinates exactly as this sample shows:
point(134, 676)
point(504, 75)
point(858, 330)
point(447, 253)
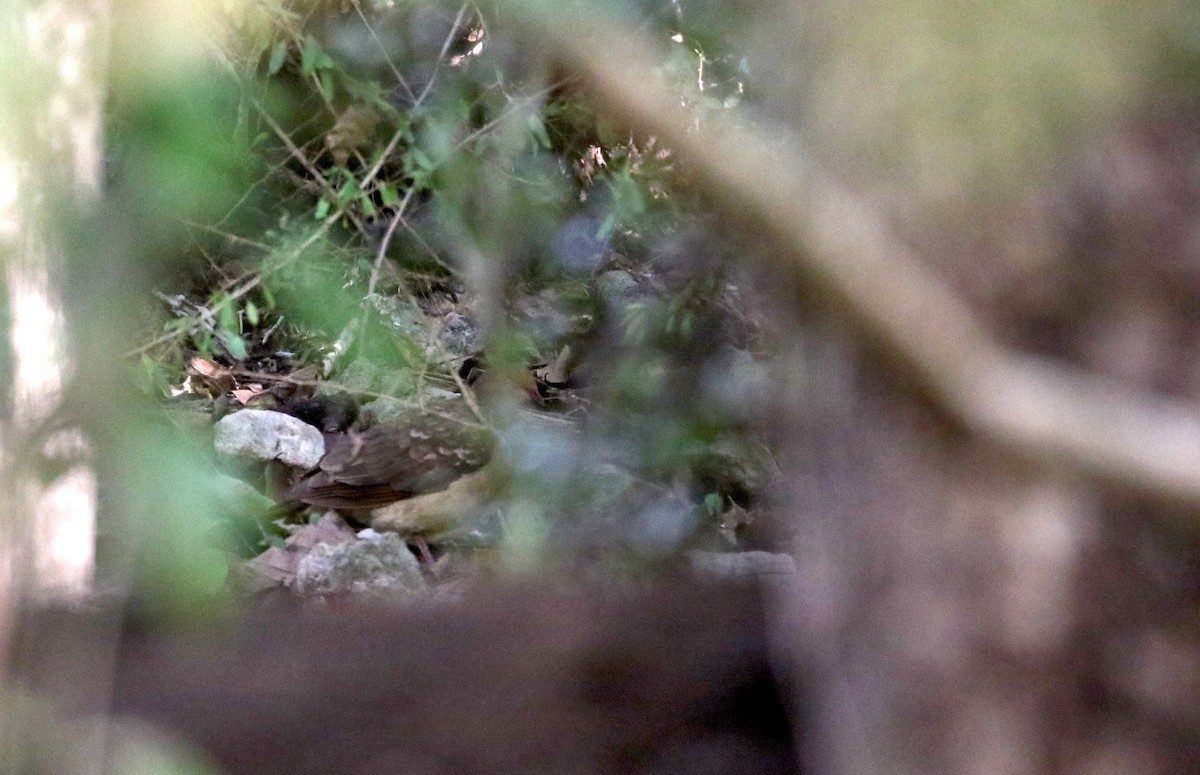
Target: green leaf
point(538, 128)
point(370, 92)
point(686, 325)
point(203, 341)
point(308, 57)
point(226, 317)
point(278, 54)
point(322, 209)
point(236, 346)
point(153, 378)
point(636, 323)
point(421, 159)
point(252, 313)
point(325, 78)
point(389, 195)
point(313, 58)
point(348, 191)
point(607, 227)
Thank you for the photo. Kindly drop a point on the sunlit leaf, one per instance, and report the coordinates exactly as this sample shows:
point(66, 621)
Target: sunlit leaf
point(686, 324)
point(226, 317)
point(326, 81)
point(278, 54)
point(538, 128)
point(313, 58)
point(236, 346)
point(346, 192)
point(607, 226)
point(388, 195)
point(421, 159)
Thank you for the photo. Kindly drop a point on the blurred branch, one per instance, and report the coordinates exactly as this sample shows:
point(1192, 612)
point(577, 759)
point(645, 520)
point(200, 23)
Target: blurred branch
point(1041, 411)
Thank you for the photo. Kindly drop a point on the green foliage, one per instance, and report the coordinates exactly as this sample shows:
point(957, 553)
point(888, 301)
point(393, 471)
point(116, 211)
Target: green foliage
point(354, 120)
point(335, 171)
point(174, 150)
point(154, 378)
point(674, 322)
point(175, 528)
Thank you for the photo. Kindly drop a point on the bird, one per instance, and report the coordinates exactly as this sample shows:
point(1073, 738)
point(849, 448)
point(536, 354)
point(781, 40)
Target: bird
point(415, 453)
point(369, 464)
point(330, 414)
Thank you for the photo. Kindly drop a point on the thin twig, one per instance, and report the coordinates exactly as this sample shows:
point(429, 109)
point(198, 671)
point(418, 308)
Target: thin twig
point(383, 49)
point(384, 243)
point(442, 55)
point(229, 236)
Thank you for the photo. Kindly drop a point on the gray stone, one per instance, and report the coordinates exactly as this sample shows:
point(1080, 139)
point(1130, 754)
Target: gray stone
point(395, 411)
point(265, 435)
point(738, 383)
point(760, 566)
point(402, 315)
point(578, 246)
point(619, 289)
point(459, 334)
point(378, 565)
point(663, 524)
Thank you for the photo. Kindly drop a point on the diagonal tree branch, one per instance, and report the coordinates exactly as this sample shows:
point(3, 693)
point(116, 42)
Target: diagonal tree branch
point(1040, 410)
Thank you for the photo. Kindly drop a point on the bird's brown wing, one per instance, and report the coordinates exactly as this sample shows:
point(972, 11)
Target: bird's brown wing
point(319, 490)
point(387, 463)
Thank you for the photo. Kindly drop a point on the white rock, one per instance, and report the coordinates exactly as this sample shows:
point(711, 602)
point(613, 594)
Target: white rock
point(268, 435)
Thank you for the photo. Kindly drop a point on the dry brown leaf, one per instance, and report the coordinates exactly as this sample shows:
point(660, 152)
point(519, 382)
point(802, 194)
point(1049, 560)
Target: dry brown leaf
point(355, 129)
point(276, 567)
point(273, 568)
point(206, 368)
point(330, 529)
point(304, 374)
point(212, 375)
point(247, 394)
